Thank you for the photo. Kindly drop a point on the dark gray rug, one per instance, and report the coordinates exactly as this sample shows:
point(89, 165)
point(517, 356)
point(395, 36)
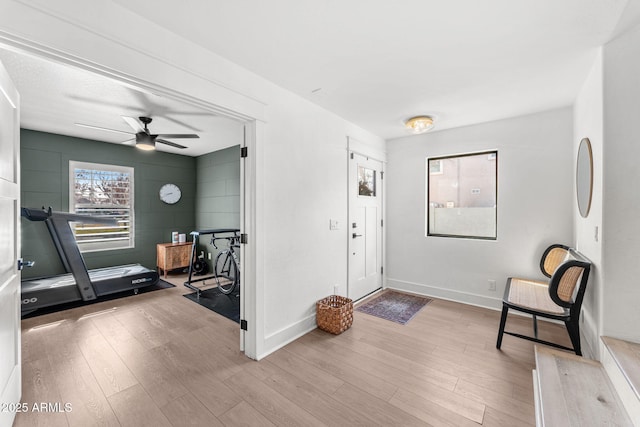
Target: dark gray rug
point(394, 306)
point(225, 305)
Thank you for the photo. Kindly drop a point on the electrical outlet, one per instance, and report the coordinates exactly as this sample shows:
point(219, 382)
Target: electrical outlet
point(209, 255)
point(334, 224)
point(492, 285)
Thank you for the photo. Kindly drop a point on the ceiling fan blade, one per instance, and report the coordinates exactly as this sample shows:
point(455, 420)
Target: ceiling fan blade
point(173, 144)
point(100, 102)
point(190, 113)
point(181, 123)
point(178, 135)
point(134, 123)
point(101, 128)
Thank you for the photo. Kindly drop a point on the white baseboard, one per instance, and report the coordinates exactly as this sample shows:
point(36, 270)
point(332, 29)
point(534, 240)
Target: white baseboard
point(446, 294)
point(294, 331)
point(284, 336)
point(589, 335)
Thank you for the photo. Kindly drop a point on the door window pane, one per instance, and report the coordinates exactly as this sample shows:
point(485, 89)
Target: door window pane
point(366, 182)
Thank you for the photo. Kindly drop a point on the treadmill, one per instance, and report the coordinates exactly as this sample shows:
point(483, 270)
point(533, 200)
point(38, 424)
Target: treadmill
point(78, 284)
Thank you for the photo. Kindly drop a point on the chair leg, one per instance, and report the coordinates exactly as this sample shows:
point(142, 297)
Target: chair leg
point(573, 327)
point(503, 321)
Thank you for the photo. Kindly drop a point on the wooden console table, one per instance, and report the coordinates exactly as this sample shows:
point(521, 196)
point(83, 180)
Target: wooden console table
point(173, 255)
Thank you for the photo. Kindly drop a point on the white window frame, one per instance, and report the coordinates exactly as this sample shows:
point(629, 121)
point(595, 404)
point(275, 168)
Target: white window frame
point(489, 213)
point(105, 245)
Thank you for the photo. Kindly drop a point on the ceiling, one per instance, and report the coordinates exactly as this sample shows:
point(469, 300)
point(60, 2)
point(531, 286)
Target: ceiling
point(55, 97)
point(374, 63)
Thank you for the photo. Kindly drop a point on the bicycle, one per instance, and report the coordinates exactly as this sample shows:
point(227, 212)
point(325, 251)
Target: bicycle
point(226, 268)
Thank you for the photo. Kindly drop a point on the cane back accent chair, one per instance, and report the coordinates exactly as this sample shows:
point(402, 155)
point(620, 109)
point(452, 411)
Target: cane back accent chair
point(559, 298)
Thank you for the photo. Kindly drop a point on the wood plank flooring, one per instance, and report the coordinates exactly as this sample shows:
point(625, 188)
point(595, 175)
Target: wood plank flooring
point(158, 359)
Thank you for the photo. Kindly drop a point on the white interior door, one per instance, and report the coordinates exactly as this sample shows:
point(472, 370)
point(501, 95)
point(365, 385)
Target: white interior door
point(10, 378)
point(365, 226)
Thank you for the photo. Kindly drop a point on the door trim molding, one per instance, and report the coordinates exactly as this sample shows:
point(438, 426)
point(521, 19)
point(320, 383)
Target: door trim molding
point(360, 148)
point(10, 182)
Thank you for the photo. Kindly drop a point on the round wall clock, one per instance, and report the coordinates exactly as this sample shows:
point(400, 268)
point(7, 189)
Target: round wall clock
point(170, 193)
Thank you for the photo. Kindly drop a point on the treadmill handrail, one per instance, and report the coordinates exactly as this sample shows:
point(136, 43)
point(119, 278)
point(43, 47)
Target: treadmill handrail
point(34, 214)
point(66, 245)
point(214, 231)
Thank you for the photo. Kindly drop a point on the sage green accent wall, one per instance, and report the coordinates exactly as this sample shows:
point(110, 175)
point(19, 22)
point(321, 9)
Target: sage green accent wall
point(218, 193)
point(45, 182)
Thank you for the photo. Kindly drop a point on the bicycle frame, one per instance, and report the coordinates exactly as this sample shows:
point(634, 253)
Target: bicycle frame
point(216, 234)
point(226, 268)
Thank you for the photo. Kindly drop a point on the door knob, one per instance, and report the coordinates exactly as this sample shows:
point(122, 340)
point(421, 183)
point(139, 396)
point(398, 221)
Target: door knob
point(354, 235)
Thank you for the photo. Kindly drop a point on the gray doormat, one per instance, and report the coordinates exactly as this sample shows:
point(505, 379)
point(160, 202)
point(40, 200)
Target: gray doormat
point(394, 306)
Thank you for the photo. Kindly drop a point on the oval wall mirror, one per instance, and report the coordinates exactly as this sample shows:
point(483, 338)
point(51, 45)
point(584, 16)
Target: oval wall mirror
point(584, 177)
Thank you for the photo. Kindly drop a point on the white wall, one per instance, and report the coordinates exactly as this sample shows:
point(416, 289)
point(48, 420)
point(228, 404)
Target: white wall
point(300, 154)
point(621, 195)
point(588, 123)
point(535, 207)
point(305, 173)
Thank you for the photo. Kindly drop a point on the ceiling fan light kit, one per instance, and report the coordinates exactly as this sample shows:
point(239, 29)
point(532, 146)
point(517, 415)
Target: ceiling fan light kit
point(145, 142)
point(419, 124)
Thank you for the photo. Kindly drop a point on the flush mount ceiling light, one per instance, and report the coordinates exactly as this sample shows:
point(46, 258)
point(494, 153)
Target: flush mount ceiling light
point(419, 124)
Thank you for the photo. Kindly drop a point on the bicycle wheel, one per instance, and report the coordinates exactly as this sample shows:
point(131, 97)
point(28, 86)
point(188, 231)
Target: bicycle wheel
point(226, 272)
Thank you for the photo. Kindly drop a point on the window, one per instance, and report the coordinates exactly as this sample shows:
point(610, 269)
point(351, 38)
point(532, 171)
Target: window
point(462, 195)
point(366, 182)
point(104, 191)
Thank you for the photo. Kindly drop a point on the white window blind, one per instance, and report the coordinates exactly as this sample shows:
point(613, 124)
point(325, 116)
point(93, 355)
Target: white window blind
point(104, 191)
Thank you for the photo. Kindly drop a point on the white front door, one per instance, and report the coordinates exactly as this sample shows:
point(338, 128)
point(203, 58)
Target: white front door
point(365, 226)
point(10, 378)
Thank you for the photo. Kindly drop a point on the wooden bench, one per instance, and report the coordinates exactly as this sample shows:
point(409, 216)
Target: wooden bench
point(621, 360)
point(559, 298)
point(574, 391)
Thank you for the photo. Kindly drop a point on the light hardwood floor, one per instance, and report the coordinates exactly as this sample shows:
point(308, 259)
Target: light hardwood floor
point(158, 359)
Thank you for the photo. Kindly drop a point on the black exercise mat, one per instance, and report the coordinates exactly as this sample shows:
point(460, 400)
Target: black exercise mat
point(225, 305)
point(46, 310)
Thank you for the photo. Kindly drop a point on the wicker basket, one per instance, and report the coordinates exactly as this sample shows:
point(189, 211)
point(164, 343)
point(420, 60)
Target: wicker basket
point(334, 314)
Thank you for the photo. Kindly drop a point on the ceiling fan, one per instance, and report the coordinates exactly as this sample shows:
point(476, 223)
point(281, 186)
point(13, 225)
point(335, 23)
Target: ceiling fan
point(145, 140)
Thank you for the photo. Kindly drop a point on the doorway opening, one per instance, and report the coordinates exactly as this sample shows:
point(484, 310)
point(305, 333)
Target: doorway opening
point(116, 96)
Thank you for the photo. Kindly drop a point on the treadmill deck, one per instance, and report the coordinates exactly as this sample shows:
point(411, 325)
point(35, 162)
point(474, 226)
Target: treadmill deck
point(96, 275)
